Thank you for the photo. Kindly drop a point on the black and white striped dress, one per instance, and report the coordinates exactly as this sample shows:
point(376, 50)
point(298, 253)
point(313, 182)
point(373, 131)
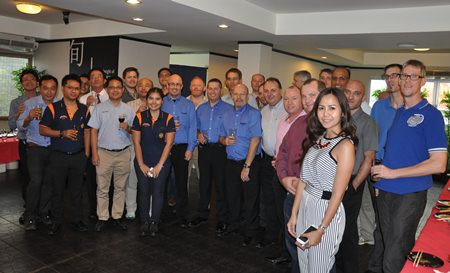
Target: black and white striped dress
point(318, 173)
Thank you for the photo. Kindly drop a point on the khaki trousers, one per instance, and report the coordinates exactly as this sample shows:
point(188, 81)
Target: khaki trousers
point(117, 163)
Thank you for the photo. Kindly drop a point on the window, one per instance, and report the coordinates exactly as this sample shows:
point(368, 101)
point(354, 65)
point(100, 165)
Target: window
point(8, 92)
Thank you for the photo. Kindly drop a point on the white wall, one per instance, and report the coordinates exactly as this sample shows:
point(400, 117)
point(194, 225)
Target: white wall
point(190, 59)
point(147, 58)
point(218, 66)
point(53, 57)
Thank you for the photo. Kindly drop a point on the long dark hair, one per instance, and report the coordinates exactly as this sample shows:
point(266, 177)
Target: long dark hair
point(315, 129)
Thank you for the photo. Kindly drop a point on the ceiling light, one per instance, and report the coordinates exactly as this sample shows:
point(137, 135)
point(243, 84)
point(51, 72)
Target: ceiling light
point(133, 2)
point(324, 57)
point(236, 50)
point(137, 19)
point(28, 8)
point(406, 45)
point(421, 49)
point(223, 26)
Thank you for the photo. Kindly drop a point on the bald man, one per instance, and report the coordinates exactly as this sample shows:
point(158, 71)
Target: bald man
point(367, 133)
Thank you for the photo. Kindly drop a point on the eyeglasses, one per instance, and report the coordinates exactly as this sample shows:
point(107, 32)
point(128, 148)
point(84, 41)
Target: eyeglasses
point(72, 88)
point(412, 77)
point(114, 87)
point(171, 84)
point(390, 76)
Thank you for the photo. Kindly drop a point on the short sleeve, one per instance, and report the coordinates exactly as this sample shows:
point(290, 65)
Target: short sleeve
point(94, 120)
point(255, 129)
point(47, 116)
point(434, 131)
point(136, 124)
point(170, 124)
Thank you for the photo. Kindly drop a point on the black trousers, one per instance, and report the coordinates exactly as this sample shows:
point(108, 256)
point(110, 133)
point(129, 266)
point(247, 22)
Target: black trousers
point(23, 167)
point(212, 159)
point(399, 218)
point(347, 257)
point(243, 197)
point(376, 257)
point(181, 168)
point(274, 195)
point(68, 168)
point(289, 240)
point(90, 187)
point(39, 189)
point(154, 188)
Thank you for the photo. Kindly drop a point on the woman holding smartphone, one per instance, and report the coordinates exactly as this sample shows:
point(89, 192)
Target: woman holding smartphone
point(153, 136)
point(326, 170)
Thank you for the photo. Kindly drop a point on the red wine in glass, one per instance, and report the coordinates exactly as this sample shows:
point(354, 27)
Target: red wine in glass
point(121, 119)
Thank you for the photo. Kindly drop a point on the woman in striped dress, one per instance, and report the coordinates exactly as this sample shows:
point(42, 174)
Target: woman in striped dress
point(326, 170)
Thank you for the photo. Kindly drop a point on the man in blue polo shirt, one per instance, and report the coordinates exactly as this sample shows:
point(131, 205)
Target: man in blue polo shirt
point(211, 155)
point(65, 122)
point(37, 202)
point(110, 141)
point(241, 134)
point(183, 112)
point(416, 147)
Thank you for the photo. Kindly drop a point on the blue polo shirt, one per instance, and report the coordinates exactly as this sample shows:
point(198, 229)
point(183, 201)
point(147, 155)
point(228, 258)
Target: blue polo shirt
point(210, 118)
point(247, 122)
point(415, 133)
point(384, 114)
point(32, 130)
point(56, 117)
point(105, 118)
point(153, 134)
point(184, 109)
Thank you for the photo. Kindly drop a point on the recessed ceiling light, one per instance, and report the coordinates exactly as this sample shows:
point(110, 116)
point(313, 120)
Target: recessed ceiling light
point(28, 8)
point(236, 50)
point(406, 45)
point(223, 26)
point(137, 19)
point(133, 2)
point(324, 57)
point(421, 49)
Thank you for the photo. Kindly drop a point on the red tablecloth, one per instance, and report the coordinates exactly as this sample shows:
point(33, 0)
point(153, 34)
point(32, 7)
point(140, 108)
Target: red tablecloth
point(9, 150)
point(434, 239)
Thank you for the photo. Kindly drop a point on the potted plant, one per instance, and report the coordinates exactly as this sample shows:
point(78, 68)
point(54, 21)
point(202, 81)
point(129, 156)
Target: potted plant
point(16, 76)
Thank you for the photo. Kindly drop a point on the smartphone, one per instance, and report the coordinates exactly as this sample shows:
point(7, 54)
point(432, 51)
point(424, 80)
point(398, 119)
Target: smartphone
point(302, 239)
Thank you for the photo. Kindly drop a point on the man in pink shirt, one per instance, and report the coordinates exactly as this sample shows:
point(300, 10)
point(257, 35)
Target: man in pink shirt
point(289, 155)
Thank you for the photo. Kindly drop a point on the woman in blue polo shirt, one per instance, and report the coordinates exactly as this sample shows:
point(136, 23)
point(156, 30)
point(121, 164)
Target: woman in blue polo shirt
point(153, 136)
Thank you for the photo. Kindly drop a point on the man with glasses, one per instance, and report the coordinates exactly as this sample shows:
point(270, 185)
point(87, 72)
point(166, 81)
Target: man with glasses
point(65, 122)
point(183, 112)
point(416, 148)
point(110, 141)
point(383, 111)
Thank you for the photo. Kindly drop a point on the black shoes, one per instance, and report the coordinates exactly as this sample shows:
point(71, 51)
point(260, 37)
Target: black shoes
point(182, 224)
point(221, 227)
point(153, 229)
point(247, 241)
point(279, 259)
point(144, 229)
point(99, 225)
point(264, 243)
point(54, 229)
point(120, 224)
point(80, 226)
point(30, 225)
point(197, 222)
point(21, 220)
point(46, 220)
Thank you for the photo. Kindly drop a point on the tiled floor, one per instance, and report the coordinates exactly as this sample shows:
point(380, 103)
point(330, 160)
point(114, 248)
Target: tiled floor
point(172, 250)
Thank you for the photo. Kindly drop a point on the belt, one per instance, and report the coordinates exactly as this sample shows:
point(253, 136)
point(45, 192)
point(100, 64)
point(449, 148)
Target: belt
point(212, 144)
point(115, 150)
point(318, 193)
point(179, 144)
point(264, 155)
point(69, 153)
point(31, 145)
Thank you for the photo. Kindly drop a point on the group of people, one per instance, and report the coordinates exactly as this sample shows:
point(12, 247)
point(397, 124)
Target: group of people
point(284, 161)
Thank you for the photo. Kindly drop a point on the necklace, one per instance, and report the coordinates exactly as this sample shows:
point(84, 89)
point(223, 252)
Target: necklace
point(321, 144)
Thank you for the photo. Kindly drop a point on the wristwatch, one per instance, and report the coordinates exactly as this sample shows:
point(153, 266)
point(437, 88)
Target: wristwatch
point(61, 133)
point(323, 228)
point(247, 166)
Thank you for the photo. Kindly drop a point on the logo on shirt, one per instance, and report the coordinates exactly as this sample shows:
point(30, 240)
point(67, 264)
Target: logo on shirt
point(161, 135)
point(145, 124)
point(415, 120)
point(63, 117)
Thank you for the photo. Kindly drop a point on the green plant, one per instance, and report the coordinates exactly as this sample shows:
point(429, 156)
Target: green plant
point(376, 93)
point(16, 76)
point(446, 100)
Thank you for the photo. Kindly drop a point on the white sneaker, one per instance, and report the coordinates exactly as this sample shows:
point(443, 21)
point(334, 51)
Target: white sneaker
point(130, 216)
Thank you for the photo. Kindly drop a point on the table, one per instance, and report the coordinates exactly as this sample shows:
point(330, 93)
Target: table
point(9, 150)
point(434, 239)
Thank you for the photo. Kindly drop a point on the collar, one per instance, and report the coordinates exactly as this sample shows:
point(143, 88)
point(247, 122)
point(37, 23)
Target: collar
point(357, 114)
point(242, 110)
point(276, 106)
point(419, 106)
point(173, 99)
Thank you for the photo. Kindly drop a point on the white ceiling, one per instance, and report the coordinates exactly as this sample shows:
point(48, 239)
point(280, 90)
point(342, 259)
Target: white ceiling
point(342, 30)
